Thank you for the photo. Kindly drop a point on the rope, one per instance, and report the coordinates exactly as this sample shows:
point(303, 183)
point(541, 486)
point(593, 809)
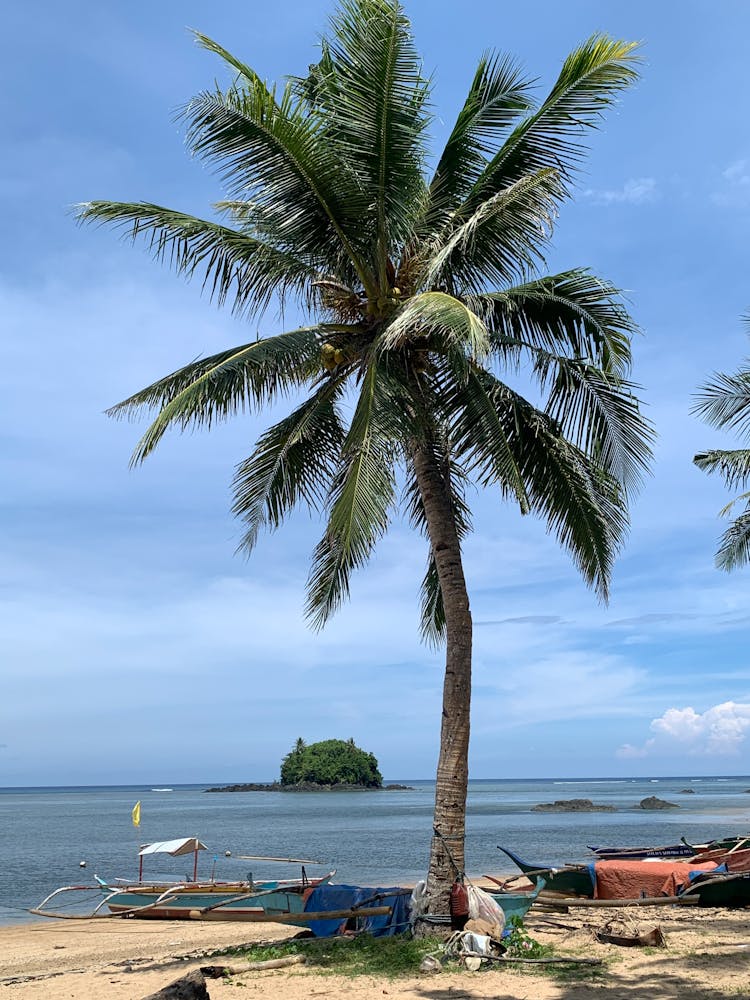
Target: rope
point(458, 836)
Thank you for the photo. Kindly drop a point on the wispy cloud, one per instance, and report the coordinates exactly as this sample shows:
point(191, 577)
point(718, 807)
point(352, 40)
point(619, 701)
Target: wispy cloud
point(719, 731)
point(635, 191)
point(734, 187)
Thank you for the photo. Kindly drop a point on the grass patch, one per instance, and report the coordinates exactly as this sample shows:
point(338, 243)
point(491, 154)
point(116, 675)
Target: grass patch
point(360, 956)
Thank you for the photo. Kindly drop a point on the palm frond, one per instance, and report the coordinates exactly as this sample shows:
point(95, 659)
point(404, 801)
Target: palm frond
point(733, 465)
point(432, 623)
point(734, 548)
point(590, 80)
point(600, 414)
point(480, 436)
point(582, 504)
point(294, 462)
point(269, 152)
point(247, 73)
point(724, 402)
point(374, 104)
point(437, 316)
point(233, 264)
point(499, 242)
point(574, 312)
point(362, 493)
point(498, 95)
point(211, 389)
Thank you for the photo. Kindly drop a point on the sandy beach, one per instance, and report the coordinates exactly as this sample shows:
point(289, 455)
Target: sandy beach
point(707, 958)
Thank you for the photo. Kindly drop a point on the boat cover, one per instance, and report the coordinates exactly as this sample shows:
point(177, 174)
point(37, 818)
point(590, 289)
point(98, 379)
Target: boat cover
point(188, 845)
point(344, 897)
point(633, 879)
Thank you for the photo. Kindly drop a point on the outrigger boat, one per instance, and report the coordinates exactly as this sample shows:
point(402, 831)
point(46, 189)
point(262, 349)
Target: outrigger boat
point(724, 881)
point(681, 850)
point(160, 900)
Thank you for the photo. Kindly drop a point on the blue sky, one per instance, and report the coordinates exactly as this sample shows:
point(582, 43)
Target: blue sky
point(135, 645)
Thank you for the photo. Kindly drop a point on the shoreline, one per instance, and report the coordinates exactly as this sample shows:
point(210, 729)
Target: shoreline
point(708, 958)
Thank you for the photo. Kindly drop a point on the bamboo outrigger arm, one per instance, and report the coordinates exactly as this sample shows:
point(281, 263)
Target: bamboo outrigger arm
point(166, 897)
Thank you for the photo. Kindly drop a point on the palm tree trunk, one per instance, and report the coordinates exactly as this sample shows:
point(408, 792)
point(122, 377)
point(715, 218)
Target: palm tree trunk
point(447, 850)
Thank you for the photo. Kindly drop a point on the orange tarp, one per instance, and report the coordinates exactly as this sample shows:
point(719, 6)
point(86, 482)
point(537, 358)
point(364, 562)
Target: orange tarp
point(633, 879)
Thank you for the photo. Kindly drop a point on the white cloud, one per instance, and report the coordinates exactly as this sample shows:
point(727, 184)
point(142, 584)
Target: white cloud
point(720, 730)
point(738, 173)
point(635, 191)
point(734, 191)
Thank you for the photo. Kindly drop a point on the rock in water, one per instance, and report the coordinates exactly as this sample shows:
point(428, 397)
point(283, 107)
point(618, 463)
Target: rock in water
point(572, 805)
point(653, 803)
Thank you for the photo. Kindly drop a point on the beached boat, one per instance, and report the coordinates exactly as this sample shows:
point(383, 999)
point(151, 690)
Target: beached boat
point(681, 850)
point(165, 900)
point(719, 889)
point(569, 880)
point(708, 851)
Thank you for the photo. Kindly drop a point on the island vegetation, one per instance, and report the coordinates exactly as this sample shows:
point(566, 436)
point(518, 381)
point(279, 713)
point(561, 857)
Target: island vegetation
point(321, 766)
point(330, 762)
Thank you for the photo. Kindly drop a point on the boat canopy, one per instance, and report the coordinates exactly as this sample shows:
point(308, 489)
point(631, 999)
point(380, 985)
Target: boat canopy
point(188, 845)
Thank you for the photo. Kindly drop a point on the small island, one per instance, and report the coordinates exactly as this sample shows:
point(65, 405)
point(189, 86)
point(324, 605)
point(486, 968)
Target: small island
point(329, 765)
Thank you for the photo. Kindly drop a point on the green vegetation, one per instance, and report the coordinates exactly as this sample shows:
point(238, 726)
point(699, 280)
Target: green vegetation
point(330, 762)
point(392, 957)
point(520, 944)
point(724, 402)
point(361, 956)
point(428, 312)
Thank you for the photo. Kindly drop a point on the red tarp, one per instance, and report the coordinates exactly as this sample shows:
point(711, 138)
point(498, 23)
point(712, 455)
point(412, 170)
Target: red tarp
point(633, 879)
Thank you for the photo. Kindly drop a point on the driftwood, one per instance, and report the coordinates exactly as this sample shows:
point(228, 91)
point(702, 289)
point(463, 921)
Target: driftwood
point(217, 971)
point(537, 961)
point(572, 901)
point(647, 939)
point(189, 987)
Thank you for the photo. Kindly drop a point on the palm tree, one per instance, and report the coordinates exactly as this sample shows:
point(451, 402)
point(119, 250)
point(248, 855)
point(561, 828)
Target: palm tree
point(724, 402)
point(423, 295)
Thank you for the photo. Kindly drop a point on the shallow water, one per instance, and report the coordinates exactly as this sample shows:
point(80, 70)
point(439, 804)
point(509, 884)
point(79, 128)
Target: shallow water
point(369, 837)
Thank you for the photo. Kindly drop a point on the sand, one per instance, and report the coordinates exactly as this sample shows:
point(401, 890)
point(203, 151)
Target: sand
point(707, 958)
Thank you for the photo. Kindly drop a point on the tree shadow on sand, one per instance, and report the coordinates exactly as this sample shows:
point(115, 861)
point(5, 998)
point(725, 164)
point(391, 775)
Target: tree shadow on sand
point(714, 970)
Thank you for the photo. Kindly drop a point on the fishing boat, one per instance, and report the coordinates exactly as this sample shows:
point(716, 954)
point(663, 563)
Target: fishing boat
point(683, 849)
point(719, 889)
point(173, 900)
point(569, 880)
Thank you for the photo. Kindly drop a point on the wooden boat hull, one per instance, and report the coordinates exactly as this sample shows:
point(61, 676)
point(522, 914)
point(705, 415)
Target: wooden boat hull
point(720, 890)
point(641, 853)
point(570, 880)
point(180, 905)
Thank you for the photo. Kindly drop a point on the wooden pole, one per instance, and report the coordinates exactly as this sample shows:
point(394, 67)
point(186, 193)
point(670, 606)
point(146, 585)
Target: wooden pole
point(572, 901)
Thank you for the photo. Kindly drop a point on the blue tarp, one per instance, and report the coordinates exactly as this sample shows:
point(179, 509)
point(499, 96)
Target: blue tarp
point(344, 897)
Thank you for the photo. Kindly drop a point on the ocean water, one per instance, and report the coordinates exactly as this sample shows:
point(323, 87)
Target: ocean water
point(370, 838)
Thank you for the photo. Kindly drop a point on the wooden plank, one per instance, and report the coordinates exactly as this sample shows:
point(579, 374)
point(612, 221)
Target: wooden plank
point(289, 918)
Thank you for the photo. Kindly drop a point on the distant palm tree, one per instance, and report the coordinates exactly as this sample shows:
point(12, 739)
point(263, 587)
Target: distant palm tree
point(423, 296)
point(724, 402)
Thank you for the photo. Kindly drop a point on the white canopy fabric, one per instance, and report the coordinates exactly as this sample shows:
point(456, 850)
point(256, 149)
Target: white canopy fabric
point(187, 845)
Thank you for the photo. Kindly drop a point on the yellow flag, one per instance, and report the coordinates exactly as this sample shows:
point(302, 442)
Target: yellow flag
point(136, 814)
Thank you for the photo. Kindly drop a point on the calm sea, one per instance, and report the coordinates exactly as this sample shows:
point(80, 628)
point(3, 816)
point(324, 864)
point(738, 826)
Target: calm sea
point(375, 838)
